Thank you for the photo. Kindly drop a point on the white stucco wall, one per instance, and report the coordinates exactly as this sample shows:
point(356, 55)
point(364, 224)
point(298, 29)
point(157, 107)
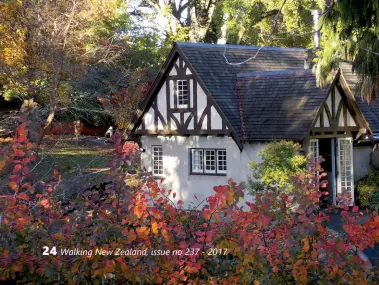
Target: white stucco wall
point(176, 164)
point(361, 161)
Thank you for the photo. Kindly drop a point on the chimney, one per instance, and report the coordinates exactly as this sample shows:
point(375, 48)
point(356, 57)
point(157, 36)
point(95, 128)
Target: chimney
point(316, 15)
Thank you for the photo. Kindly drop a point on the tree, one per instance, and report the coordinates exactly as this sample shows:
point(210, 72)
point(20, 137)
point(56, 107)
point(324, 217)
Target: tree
point(248, 22)
point(350, 32)
point(274, 22)
point(47, 43)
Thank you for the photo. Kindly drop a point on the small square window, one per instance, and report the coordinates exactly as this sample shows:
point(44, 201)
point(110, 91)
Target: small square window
point(182, 93)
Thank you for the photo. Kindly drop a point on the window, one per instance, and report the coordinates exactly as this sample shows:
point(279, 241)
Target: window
point(208, 161)
point(157, 160)
point(197, 160)
point(182, 93)
point(221, 161)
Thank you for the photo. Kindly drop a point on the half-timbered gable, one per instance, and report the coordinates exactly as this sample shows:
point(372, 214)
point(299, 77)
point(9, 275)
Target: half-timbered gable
point(181, 106)
point(338, 114)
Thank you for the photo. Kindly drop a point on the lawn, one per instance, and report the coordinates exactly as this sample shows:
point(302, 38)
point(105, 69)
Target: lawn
point(83, 161)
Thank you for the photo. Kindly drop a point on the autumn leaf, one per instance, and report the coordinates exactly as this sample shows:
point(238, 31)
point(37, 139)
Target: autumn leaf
point(17, 168)
point(355, 209)
point(19, 152)
point(109, 266)
point(131, 236)
point(23, 196)
point(45, 203)
point(154, 228)
point(143, 232)
point(13, 185)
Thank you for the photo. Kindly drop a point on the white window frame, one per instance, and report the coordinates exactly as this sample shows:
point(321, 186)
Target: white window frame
point(180, 95)
point(223, 160)
point(157, 149)
point(197, 167)
point(342, 167)
point(204, 152)
point(210, 162)
point(313, 149)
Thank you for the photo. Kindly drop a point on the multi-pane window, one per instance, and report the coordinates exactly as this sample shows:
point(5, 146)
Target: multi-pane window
point(182, 93)
point(197, 160)
point(345, 165)
point(157, 160)
point(313, 149)
point(314, 152)
point(221, 161)
point(208, 161)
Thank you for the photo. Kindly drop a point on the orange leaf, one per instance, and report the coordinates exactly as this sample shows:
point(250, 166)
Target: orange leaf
point(142, 232)
point(23, 196)
point(154, 228)
point(19, 152)
point(131, 236)
point(180, 202)
point(45, 203)
point(174, 195)
point(13, 185)
point(56, 172)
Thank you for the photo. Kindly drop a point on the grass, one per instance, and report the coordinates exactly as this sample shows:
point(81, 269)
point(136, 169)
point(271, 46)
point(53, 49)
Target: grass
point(82, 161)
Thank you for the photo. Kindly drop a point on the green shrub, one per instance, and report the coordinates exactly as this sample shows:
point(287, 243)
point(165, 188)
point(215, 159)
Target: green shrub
point(367, 188)
point(374, 201)
point(280, 161)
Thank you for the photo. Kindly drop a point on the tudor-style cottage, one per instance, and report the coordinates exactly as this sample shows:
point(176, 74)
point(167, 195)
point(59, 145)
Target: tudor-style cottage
point(204, 119)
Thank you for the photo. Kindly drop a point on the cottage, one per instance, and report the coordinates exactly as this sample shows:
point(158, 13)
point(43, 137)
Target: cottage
point(205, 118)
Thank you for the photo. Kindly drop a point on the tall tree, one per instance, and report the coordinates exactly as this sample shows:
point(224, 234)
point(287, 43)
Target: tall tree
point(46, 43)
point(247, 21)
point(184, 19)
point(351, 32)
point(271, 22)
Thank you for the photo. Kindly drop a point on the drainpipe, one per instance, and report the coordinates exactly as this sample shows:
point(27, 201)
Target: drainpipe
point(316, 15)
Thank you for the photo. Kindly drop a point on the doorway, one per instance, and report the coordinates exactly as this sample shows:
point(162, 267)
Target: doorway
point(338, 165)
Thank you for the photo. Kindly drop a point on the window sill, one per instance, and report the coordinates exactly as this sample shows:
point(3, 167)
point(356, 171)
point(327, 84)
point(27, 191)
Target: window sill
point(208, 174)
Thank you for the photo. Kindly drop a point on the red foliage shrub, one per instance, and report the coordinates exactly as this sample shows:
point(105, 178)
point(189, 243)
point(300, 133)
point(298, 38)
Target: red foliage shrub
point(135, 234)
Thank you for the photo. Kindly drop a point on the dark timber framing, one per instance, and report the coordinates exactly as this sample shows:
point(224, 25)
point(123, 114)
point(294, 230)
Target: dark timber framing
point(178, 115)
point(347, 104)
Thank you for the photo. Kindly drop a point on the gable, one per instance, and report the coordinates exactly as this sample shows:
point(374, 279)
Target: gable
point(180, 106)
point(335, 112)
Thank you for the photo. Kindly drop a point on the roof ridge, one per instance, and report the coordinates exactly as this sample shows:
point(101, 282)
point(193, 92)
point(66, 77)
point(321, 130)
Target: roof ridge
point(233, 46)
point(276, 72)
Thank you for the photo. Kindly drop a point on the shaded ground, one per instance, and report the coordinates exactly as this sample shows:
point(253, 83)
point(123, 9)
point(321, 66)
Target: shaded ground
point(335, 223)
point(84, 161)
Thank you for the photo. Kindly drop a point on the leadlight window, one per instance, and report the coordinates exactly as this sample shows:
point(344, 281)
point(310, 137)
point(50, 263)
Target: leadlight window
point(157, 158)
point(197, 160)
point(208, 161)
point(182, 93)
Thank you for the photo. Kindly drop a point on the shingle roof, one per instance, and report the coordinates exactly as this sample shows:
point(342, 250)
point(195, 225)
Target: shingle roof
point(220, 78)
point(369, 110)
point(279, 104)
